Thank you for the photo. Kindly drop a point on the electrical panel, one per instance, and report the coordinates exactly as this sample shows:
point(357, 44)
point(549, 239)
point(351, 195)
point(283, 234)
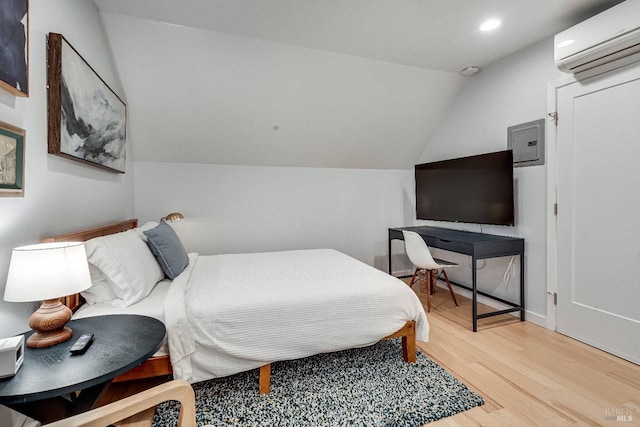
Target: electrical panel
point(526, 140)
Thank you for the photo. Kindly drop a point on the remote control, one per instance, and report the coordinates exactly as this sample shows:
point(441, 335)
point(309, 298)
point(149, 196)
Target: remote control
point(83, 343)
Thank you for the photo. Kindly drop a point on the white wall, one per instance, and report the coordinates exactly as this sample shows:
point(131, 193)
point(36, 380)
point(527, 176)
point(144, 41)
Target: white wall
point(232, 209)
point(200, 96)
point(506, 93)
point(60, 195)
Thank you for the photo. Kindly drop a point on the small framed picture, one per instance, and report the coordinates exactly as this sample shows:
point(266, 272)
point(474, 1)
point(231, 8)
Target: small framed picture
point(11, 160)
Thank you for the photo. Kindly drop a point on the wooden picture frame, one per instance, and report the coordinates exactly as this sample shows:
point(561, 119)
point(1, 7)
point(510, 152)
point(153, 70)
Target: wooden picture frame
point(12, 141)
point(14, 55)
point(87, 120)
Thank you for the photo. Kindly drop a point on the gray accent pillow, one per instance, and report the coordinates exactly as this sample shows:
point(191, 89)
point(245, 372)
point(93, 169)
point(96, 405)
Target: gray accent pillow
point(168, 249)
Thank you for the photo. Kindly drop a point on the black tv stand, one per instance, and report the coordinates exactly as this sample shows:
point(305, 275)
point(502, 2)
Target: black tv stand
point(478, 246)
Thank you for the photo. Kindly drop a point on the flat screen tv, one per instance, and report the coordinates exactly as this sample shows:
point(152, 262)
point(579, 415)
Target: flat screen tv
point(475, 189)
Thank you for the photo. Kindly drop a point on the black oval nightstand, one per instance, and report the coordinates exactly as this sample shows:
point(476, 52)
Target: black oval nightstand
point(52, 384)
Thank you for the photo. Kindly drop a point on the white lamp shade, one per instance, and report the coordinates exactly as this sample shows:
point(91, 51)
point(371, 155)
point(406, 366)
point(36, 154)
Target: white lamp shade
point(47, 271)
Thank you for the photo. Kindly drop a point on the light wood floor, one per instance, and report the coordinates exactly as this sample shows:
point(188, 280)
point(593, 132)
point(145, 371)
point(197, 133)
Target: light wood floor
point(527, 375)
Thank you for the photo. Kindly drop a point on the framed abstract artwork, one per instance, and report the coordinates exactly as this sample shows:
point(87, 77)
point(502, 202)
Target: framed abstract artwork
point(87, 120)
point(14, 47)
point(11, 160)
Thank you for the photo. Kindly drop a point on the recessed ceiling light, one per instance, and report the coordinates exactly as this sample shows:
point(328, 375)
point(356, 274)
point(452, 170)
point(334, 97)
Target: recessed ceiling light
point(489, 25)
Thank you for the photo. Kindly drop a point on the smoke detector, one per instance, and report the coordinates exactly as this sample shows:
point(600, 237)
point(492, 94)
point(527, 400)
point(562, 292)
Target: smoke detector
point(470, 71)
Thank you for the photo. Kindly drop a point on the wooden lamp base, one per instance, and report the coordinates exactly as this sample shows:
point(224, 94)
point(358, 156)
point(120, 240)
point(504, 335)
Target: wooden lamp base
point(49, 322)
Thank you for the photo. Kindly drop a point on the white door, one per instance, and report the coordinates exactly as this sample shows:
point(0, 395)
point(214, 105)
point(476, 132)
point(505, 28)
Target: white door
point(598, 222)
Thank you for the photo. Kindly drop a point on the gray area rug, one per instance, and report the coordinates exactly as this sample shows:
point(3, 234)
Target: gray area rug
point(370, 386)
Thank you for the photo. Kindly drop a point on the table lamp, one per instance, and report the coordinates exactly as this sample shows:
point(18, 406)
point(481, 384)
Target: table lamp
point(46, 272)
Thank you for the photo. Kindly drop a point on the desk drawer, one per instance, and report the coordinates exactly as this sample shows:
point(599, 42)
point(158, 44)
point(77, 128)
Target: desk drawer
point(449, 245)
point(440, 242)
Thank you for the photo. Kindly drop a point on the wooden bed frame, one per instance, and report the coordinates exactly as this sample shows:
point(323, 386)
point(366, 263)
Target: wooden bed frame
point(161, 365)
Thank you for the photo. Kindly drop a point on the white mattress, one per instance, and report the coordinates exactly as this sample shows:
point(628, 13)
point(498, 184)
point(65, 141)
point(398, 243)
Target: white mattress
point(231, 313)
point(152, 306)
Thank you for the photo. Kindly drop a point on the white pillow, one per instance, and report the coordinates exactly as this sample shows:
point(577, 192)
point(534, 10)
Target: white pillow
point(127, 263)
point(101, 291)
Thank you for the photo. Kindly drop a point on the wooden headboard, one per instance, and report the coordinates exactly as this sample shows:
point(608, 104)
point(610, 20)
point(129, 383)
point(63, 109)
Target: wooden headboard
point(75, 301)
point(103, 230)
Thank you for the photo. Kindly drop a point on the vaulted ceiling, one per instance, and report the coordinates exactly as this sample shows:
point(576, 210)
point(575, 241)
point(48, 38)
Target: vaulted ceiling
point(311, 83)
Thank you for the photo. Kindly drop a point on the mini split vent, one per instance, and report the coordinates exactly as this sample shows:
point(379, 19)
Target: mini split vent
point(606, 37)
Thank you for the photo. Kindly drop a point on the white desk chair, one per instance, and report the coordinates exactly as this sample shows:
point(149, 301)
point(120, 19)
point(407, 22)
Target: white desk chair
point(420, 256)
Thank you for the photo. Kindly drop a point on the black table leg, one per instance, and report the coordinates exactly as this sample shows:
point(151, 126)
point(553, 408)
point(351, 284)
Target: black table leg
point(474, 291)
point(522, 287)
point(57, 408)
point(389, 256)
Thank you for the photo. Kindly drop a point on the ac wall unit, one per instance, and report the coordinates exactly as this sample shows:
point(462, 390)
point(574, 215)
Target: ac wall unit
point(610, 35)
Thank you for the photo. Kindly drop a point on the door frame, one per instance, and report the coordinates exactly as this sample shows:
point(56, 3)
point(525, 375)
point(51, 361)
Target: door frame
point(552, 196)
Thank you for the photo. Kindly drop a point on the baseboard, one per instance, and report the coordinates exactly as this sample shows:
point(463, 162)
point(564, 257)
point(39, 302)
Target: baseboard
point(535, 318)
point(401, 274)
point(529, 316)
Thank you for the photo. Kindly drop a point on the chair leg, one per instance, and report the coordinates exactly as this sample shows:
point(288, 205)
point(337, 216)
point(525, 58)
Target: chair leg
point(449, 286)
point(424, 287)
point(427, 278)
point(413, 279)
point(433, 279)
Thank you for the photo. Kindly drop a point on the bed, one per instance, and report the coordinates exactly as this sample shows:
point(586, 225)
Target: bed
point(230, 313)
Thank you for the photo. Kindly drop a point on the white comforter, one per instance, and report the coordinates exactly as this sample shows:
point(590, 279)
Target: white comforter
point(230, 313)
